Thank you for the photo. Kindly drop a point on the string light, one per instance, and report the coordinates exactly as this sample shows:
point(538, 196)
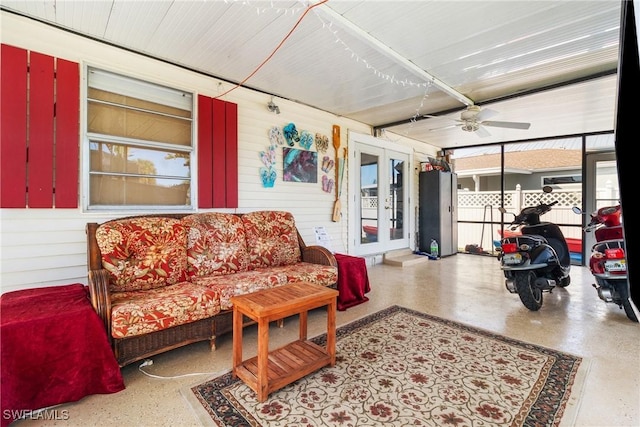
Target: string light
point(275, 50)
point(390, 78)
point(353, 54)
point(329, 26)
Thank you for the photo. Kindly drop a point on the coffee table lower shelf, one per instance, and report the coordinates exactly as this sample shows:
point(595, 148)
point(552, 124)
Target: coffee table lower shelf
point(285, 365)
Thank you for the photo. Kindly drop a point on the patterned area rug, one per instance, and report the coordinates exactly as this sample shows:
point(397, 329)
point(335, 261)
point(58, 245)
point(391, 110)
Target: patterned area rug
point(400, 367)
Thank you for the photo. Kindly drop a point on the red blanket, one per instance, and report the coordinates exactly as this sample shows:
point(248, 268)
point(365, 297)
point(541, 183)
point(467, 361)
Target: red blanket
point(353, 281)
point(54, 350)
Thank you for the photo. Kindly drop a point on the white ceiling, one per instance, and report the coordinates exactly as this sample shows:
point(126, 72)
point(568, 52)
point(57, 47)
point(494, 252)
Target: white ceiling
point(383, 62)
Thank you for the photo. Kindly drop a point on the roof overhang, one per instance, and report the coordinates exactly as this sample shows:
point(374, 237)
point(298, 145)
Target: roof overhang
point(491, 172)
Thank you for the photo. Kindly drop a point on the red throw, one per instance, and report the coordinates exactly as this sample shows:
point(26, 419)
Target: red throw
point(54, 350)
point(353, 281)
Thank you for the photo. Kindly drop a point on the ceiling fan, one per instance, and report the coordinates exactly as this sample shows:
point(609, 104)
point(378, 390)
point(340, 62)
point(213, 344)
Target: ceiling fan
point(474, 119)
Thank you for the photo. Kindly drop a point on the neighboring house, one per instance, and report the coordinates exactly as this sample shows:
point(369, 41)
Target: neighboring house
point(526, 168)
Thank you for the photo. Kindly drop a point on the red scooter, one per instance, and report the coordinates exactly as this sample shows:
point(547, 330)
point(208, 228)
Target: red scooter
point(608, 258)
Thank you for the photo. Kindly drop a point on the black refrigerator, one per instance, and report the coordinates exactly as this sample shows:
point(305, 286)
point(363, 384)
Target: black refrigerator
point(438, 217)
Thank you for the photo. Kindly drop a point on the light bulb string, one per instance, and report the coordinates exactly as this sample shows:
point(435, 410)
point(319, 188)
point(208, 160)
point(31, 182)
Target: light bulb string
point(328, 25)
point(308, 9)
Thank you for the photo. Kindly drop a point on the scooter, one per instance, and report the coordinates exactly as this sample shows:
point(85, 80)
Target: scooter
point(536, 261)
point(608, 258)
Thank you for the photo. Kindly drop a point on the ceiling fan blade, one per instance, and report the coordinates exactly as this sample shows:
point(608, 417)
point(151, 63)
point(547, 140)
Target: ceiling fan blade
point(485, 114)
point(510, 125)
point(482, 132)
point(444, 127)
point(441, 117)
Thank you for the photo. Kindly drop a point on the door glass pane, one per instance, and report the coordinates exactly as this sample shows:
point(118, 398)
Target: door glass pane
point(369, 197)
point(395, 202)
point(607, 189)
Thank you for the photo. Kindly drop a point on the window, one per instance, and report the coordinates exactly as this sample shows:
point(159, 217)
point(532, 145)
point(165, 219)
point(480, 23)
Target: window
point(140, 144)
point(562, 179)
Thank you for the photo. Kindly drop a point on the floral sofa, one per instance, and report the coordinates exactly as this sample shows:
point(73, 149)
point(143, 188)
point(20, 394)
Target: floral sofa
point(163, 281)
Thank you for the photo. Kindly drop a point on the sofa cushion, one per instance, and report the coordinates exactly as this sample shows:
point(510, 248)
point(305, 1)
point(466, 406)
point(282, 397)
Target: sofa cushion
point(325, 275)
point(272, 239)
point(216, 244)
point(141, 312)
point(143, 253)
point(241, 283)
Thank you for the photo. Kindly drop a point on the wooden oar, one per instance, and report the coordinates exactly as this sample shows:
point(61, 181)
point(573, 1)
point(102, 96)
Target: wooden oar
point(337, 208)
point(342, 167)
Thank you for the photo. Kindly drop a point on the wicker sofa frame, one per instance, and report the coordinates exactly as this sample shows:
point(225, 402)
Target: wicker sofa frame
point(131, 349)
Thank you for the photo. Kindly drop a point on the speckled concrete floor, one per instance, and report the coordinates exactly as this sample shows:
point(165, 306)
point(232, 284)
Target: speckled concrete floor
point(465, 288)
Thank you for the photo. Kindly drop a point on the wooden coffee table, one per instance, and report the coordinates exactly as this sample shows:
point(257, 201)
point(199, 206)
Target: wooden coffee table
point(272, 370)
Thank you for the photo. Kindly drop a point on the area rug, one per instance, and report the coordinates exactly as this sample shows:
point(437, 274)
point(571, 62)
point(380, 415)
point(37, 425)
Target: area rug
point(400, 367)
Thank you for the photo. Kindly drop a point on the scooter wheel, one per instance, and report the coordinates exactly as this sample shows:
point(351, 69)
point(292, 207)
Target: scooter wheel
point(622, 290)
point(529, 293)
point(564, 282)
point(628, 310)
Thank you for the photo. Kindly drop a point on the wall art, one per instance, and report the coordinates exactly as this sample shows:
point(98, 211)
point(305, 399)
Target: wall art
point(306, 140)
point(268, 177)
point(268, 171)
point(291, 134)
point(299, 165)
point(327, 164)
point(322, 143)
point(327, 184)
point(275, 136)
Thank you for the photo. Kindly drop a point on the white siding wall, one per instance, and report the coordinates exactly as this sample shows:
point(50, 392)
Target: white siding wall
point(47, 247)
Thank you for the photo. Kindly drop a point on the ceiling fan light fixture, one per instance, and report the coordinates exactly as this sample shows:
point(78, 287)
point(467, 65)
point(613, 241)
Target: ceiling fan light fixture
point(474, 119)
point(470, 126)
point(470, 113)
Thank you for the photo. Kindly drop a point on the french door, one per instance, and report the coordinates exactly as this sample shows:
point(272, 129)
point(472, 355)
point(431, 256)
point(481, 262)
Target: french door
point(380, 220)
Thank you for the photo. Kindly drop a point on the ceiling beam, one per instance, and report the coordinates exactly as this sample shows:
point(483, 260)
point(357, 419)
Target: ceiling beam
point(396, 57)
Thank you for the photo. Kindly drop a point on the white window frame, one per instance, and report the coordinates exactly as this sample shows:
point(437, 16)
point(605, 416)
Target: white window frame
point(151, 91)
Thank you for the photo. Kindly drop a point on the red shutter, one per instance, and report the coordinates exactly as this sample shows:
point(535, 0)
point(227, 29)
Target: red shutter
point(217, 153)
point(28, 174)
point(67, 160)
point(40, 166)
point(13, 127)
point(231, 155)
point(205, 152)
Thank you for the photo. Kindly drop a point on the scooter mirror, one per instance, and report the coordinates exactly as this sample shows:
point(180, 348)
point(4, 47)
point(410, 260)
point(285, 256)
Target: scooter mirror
point(576, 210)
point(547, 189)
point(502, 210)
